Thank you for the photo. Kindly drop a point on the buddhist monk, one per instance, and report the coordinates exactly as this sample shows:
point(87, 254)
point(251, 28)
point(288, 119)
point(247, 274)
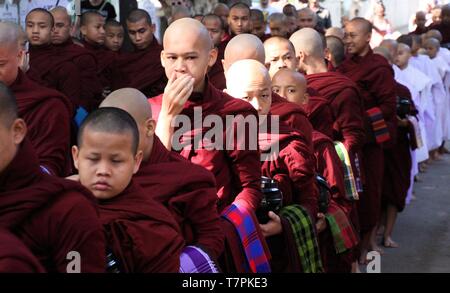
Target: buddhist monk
point(341, 92)
point(114, 35)
point(420, 21)
point(190, 195)
point(444, 25)
point(374, 76)
point(46, 66)
point(307, 18)
point(280, 53)
point(278, 25)
point(188, 52)
point(91, 88)
point(222, 11)
point(293, 166)
point(47, 112)
point(248, 46)
point(292, 24)
point(15, 257)
point(142, 68)
point(140, 233)
point(336, 52)
point(336, 32)
point(54, 218)
point(259, 24)
point(214, 24)
point(239, 19)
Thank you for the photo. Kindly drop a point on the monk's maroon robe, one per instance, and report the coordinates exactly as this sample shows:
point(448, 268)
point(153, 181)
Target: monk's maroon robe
point(189, 193)
point(319, 113)
point(51, 216)
point(48, 116)
point(216, 74)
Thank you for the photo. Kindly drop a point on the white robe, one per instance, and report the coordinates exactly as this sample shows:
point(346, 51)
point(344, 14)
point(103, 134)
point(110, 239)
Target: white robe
point(420, 87)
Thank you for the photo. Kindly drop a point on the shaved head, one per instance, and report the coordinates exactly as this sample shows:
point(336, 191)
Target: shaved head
point(139, 14)
point(11, 52)
point(308, 41)
point(188, 27)
point(406, 39)
point(361, 24)
point(131, 100)
point(385, 53)
point(50, 19)
point(404, 47)
point(89, 17)
point(280, 53)
point(243, 72)
point(434, 34)
point(275, 41)
point(291, 85)
point(336, 48)
point(432, 42)
point(62, 11)
point(391, 45)
point(335, 32)
point(243, 46)
point(9, 35)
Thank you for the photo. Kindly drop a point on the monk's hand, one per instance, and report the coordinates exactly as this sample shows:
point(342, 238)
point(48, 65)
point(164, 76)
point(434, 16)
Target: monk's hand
point(321, 223)
point(75, 177)
point(176, 93)
point(273, 227)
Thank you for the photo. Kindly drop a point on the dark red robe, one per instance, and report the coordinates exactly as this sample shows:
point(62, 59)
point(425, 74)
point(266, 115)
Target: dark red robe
point(319, 113)
point(292, 115)
point(106, 59)
point(237, 172)
point(216, 74)
point(15, 256)
point(375, 79)
point(346, 105)
point(141, 232)
point(141, 70)
point(189, 193)
point(48, 116)
point(444, 29)
point(51, 216)
point(398, 162)
point(91, 87)
point(50, 68)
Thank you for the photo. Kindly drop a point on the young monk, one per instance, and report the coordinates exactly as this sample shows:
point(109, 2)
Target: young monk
point(292, 167)
point(91, 88)
point(46, 67)
point(292, 86)
point(47, 112)
point(259, 24)
point(15, 257)
point(216, 28)
point(374, 76)
point(188, 51)
point(336, 52)
point(247, 46)
point(114, 35)
point(280, 53)
point(278, 25)
point(142, 68)
point(140, 233)
point(190, 194)
point(52, 217)
point(239, 19)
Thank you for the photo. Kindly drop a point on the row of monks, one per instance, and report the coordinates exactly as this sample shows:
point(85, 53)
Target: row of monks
point(133, 201)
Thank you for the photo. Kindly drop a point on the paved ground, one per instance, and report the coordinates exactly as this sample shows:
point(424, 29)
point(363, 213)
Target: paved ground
point(423, 229)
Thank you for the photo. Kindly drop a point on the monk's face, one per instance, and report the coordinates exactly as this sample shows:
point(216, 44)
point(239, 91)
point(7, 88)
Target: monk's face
point(187, 54)
point(114, 38)
point(402, 57)
point(61, 31)
point(278, 56)
point(292, 24)
point(39, 28)
point(278, 29)
point(256, 91)
point(258, 28)
point(421, 20)
point(306, 19)
point(106, 162)
point(215, 30)
point(94, 30)
point(432, 50)
point(141, 33)
point(356, 38)
point(11, 136)
point(10, 60)
point(239, 21)
point(289, 87)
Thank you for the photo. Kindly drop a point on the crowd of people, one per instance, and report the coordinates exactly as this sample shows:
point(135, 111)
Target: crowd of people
point(250, 139)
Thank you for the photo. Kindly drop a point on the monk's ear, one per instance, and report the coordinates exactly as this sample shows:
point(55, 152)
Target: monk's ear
point(19, 130)
point(150, 126)
point(153, 28)
point(75, 153)
point(212, 57)
point(163, 62)
point(327, 54)
point(137, 161)
point(83, 30)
